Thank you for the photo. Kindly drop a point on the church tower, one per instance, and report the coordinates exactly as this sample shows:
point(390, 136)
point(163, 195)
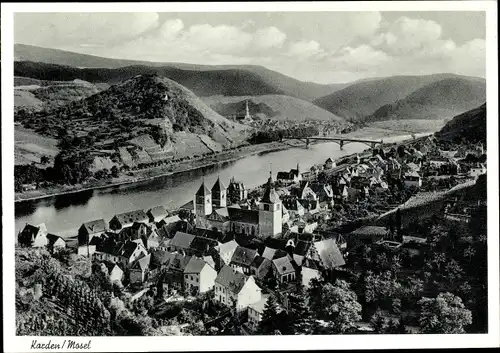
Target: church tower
point(203, 201)
point(219, 194)
point(247, 114)
point(270, 212)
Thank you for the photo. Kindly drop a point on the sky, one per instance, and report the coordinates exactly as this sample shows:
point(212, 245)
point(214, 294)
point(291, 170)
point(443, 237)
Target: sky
point(322, 47)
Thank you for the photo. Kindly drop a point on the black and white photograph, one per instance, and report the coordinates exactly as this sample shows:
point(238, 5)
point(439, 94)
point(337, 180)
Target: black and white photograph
point(250, 172)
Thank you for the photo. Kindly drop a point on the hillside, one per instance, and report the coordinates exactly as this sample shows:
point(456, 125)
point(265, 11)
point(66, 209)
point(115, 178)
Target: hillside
point(133, 108)
point(35, 95)
point(363, 98)
point(233, 79)
point(279, 107)
point(470, 125)
point(439, 100)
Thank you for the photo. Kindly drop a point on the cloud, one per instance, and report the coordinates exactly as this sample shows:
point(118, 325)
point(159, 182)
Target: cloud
point(304, 49)
point(324, 47)
point(269, 37)
point(62, 29)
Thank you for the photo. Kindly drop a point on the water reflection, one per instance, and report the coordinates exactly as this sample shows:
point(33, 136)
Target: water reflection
point(75, 199)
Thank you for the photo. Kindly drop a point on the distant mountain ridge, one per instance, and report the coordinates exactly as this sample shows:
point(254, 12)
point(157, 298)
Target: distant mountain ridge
point(362, 99)
point(470, 126)
point(258, 77)
point(277, 107)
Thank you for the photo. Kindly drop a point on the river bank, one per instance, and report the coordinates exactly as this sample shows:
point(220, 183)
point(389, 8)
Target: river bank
point(156, 172)
point(190, 165)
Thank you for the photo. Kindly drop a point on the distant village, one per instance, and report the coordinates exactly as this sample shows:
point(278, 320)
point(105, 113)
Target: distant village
point(241, 245)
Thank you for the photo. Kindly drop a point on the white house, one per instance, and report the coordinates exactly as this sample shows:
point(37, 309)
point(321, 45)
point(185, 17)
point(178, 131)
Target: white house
point(412, 179)
point(255, 312)
point(234, 288)
point(477, 170)
point(199, 276)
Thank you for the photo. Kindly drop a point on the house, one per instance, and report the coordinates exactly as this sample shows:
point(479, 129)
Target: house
point(304, 225)
point(340, 193)
point(255, 312)
point(438, 161)
point(293, 176)
point(143, 232)
point(293, 206)
point(477, 170)
point(326, 253)
point(234, 288)
point(330, 163)
point(309, 271)
point(174, 275)
point(236, 191)
point(115, 272)
point(124, 253)
point(260, 267)
point(283, 270)
point(139, 270)
point(412, 179)
point(271, 253)
point(127, 219)
point(199, 276)
point(160, 261)
point(167, 220)
point(242, 259)
point(91, 229)
point(226, 250)
point(156, 214)
point(304, 191)
point(55, 242)
point(181, 242)
point(33, 236)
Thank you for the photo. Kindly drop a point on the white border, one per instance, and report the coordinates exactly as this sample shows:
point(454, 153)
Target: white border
point(126, 344)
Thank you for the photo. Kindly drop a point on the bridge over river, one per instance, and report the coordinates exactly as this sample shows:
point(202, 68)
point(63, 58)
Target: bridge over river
point(341, 141)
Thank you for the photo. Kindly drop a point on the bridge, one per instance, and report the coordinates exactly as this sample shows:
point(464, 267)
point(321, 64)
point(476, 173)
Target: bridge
point(342, 141)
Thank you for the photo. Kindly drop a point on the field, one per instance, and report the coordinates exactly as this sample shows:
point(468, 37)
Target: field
point(30, 146)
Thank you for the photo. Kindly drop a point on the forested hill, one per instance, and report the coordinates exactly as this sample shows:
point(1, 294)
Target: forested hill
point(470, 126)
point(203, 80)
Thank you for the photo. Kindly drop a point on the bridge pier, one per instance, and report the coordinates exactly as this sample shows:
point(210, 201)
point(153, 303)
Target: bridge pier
point(341, 144)
point(307, 143)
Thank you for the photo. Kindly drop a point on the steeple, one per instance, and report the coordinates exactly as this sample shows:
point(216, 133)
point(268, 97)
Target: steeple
point(203, 190)
point(270, 180)
point(270, 195)
point(247, 114)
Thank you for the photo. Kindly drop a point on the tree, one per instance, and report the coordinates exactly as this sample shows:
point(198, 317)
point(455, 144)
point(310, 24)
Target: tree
point(114, 171)
point(378, 322)
point(298, 311)
point(340, 305)
point(444, 314)
point(44, 160)
point(269, 322)
point(269, 280)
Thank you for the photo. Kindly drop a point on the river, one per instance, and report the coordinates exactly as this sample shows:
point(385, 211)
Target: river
point(64, 214)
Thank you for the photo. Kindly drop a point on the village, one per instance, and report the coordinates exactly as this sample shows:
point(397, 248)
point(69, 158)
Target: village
point(242, 246)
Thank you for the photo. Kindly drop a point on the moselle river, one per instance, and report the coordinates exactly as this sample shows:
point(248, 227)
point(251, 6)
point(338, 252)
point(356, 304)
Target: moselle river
point(63, 214)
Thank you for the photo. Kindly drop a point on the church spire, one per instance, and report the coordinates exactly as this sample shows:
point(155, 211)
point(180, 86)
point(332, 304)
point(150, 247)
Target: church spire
point(247, 115)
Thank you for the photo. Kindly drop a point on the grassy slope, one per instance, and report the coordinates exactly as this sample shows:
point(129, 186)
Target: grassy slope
point(30, 146)
point(364, 98)
point(282, 107)
point(32, 94)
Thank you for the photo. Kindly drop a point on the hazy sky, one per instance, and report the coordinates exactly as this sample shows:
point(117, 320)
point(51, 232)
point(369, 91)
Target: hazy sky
point(325, 47)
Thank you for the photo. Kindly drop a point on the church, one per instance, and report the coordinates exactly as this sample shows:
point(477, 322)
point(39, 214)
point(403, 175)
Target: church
point(214, 212)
